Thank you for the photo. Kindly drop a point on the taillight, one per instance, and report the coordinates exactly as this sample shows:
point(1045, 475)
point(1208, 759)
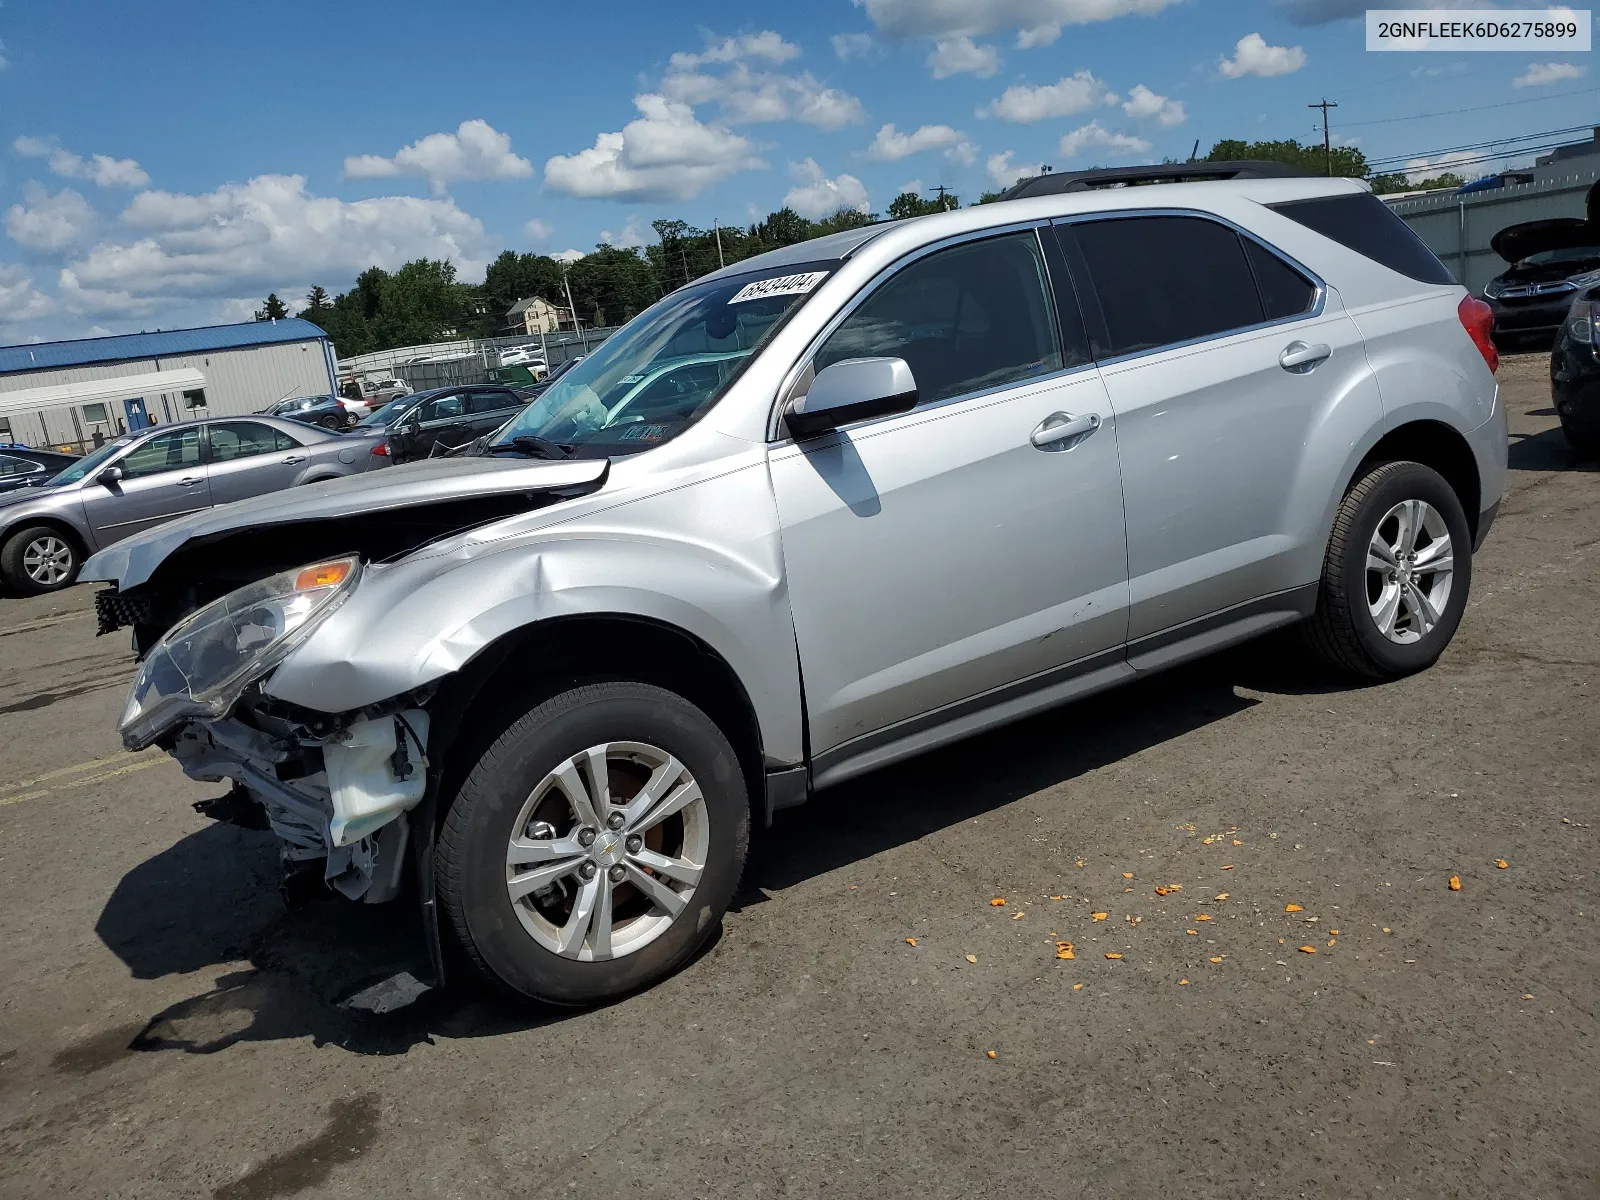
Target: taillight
point(1477, 318)
point(381, 449)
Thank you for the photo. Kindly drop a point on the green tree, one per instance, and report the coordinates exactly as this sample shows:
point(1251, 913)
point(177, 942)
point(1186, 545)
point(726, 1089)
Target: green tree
point(274, 310)
point(1345, 160)
point(318, 305)
point(845, 218)
point(909, 204)
point(1396, 181)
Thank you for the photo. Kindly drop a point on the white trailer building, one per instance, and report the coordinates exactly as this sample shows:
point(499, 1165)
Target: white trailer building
point(64, 393)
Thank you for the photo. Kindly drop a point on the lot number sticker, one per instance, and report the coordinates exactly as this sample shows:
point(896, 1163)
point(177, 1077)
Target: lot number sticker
point(779, 285)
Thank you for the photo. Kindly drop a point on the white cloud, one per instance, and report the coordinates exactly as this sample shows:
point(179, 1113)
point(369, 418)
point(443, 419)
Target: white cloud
point(1003, 173)
point(816, 196)
point(898, 19)
point(99, 169)
point(1142, 103)
point(1094, 136)
point(568, 256)
point(536, 230)
point(4, 61)
point(476, 150)
point(1539, 74)
point(264, 235)
point(665, 154)
point(1070, 94)
point(630, 238)
point(962, 56)
point(1418, 169)
point(747, 97)
point(1042, 35)
point(913, 186)
point(853, 45)
point(1252, 56)
point(1320, 12)
point(19, 299)
point(49, 223)
point(766, 44)
point(891, 145)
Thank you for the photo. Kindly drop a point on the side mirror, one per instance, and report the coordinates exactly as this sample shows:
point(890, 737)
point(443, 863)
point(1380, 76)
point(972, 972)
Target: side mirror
point(852, 390)
point(108, 476)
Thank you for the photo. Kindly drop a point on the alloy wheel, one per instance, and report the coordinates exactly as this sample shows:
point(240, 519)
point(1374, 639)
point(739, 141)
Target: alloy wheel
point(607, 851)
point(1410, 566)
point(48, 561)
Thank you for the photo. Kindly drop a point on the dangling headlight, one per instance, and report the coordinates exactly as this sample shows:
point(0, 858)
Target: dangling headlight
point(204, 663)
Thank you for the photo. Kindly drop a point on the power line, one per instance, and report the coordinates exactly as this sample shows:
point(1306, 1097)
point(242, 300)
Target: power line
point(1450, 112)
point(1492, 142)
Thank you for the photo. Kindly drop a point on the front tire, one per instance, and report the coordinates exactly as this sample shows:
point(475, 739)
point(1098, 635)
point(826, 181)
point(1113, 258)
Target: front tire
point(1396, 575)
point(39, 559)
point(595, 846)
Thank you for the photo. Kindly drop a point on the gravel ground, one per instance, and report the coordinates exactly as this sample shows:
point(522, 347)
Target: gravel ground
point(166, 1029)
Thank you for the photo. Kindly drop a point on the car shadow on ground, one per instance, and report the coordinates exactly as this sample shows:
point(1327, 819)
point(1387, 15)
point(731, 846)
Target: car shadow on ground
point(211, 900)
point(1547, 451)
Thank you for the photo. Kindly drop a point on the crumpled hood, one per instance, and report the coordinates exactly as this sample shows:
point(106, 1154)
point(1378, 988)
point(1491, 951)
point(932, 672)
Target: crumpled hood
point(131, 562)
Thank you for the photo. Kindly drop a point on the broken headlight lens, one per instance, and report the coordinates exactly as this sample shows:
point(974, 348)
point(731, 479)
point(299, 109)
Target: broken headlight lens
point(203, 664)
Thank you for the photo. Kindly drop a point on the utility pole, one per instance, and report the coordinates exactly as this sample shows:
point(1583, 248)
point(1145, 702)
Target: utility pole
point(941, 190)
point(577, 326)
point(1327, 146)
point(717, 229)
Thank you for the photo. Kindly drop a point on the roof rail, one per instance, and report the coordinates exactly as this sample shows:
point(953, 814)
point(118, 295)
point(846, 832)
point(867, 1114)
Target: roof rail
point(1113, 177)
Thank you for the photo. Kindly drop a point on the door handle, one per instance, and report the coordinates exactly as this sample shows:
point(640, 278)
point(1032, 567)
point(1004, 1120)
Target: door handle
point(1300, 358)
point(1061, 427)
point(189, 481)
point(294, 458)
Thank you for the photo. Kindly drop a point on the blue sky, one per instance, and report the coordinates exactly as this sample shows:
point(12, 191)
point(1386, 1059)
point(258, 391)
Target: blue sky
point(164, 164)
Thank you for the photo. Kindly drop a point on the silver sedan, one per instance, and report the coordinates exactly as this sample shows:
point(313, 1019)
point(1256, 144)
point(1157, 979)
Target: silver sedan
point(156, 474)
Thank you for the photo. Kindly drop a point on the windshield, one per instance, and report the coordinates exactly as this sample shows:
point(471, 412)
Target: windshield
point(89, 464)
point(386, 414)
point(662, 371)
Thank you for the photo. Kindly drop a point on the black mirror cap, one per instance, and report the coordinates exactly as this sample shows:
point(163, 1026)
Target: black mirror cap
point(804, 425)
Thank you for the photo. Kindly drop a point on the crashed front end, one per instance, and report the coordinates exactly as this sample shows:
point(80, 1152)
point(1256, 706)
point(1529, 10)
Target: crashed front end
point(331, 787)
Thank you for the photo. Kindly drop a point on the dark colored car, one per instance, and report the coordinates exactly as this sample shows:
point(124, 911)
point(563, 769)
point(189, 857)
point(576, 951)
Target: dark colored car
point(1575, 373)
point(325, 411)
point(423, 423)
point(24, 468)
point(1550, 262)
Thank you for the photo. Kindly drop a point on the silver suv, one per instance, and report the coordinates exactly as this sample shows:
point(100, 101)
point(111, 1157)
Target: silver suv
point(818, 512)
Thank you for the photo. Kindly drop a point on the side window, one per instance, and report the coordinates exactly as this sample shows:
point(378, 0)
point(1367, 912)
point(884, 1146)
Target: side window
point(241, 439)
point(488, 402)
point(282, 441)
point(972, 317)
point(1361, 222)
point(443, 408)
point(165, 452)
point(16, 466)
point(1163, 280)
point(1284, 291)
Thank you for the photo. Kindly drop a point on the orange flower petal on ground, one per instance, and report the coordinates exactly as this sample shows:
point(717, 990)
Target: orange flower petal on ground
point(1064, 950)
point(1192, 932)
point(1217, 958)
point(1501, 863)
point(1308, 949)
point(1183, 983)
point(1220, 897)
point(1161, 891)
point(1099, 916)
point(1077, 987)
point(1207, 840)
point(991, 1054)
point(1202, 917)
point(911, 941)
point(1113, 954)
point(1455, 883)
point(1079, 863)
point(972, 958)
point(997, 902)
point(1228, 867)
point(1292, 908)
point(1127, 874)
point(1018, 916)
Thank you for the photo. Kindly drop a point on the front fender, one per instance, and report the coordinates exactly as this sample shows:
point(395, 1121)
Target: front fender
point(708, 564)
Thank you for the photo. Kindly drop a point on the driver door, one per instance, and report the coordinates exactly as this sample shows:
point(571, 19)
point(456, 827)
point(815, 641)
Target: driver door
point(162, 477)
point(944, 571)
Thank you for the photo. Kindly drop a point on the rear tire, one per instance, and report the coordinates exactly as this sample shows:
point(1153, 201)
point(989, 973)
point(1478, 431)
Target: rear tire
point(626, 907)
point(40, 559)
point(1382, 619)
point(1585, 445)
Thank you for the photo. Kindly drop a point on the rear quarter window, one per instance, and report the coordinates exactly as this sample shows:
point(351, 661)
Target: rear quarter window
point(1365, 224)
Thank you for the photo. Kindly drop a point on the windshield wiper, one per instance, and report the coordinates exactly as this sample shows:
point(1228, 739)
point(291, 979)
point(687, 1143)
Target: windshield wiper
point(534, 447)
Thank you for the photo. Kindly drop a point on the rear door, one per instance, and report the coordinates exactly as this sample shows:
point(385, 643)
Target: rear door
point(17, 473)
point(444, 422)
point(1225, 363)
point(162, 477)
point(249, 458)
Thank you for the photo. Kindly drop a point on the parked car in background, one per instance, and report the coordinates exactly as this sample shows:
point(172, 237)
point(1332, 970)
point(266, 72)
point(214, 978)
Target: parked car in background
point(422, 423)
point(330, 412)
point(373, 394)
point(1575, 373)
point(141, 479)
point(1551, 261)
point(21, 467)
point(523, 356)
point(815, 513)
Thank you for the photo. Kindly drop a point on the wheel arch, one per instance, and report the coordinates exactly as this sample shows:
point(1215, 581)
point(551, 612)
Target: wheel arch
point(1438, 446)
point(528, 664)
point(66, 528)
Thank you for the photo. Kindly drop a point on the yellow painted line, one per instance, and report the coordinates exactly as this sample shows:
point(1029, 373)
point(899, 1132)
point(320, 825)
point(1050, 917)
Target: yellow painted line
point(153, 761)
point(5, 800)
point(139, 764)
point(59, 772)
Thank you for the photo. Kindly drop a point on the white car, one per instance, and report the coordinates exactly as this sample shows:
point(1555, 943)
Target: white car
point(523, 356)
